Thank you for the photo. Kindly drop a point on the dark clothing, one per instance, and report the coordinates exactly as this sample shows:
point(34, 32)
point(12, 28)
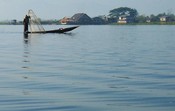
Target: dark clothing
point(26, 23)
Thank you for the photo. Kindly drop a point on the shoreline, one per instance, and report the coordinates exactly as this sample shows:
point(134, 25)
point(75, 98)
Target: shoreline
point(151, 23)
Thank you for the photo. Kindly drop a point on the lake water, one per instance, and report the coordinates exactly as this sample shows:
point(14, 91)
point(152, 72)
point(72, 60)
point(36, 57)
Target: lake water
point(93, 68)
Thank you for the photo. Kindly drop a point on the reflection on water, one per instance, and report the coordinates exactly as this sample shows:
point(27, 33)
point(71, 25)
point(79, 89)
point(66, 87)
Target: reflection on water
point(26, 55)
point(26, 39)
point(98, 68)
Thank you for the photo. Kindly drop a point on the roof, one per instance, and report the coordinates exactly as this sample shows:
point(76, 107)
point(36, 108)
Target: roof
point(77, 16)
point(81, 18)
point(163, 16)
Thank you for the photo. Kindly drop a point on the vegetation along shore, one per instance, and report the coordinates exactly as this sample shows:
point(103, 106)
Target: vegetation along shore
point(117, 16)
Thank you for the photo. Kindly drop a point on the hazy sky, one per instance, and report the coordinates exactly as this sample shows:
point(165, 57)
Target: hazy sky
point(56, 9)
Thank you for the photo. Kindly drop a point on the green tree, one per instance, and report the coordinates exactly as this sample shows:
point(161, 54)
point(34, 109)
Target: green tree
point(154, 18)
point(141, 18)
point(115, 13)
point(172, 17)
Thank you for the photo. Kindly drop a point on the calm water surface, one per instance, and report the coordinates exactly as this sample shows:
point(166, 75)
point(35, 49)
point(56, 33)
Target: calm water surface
point(93, 68)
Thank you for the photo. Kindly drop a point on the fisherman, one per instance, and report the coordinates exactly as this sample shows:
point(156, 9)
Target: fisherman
point(26, 23)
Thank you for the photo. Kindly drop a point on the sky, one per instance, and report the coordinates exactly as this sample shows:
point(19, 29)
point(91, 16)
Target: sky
point(57, 9)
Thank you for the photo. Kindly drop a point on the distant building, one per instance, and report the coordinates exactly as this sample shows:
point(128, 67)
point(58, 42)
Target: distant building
point(65, 20)
point(164, 19)
point(123, 19)
point(80, 18)
point(148, 20)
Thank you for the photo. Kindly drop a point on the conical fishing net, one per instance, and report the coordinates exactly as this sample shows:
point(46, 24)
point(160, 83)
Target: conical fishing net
point(35, 25)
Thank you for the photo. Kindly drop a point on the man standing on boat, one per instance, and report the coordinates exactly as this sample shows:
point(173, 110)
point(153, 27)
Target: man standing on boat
point(26, 23)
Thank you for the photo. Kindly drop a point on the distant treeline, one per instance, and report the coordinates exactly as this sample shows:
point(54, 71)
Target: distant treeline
point(121, 15)
point(155, 18)
point(130, 15)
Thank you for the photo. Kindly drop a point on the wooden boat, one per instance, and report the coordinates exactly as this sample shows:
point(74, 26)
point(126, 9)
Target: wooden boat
point(35, 25)
point(60, 30)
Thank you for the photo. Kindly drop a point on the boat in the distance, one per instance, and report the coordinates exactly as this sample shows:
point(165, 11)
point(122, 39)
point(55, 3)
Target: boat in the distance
point(36, 27)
